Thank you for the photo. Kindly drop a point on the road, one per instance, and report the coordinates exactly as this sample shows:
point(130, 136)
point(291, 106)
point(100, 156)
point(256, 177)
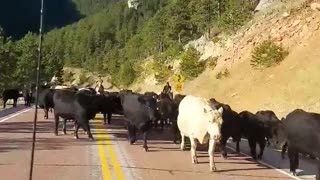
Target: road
point(111, 157)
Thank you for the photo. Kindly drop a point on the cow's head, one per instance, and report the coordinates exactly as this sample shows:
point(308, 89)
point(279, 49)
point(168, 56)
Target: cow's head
point(278, 136)
point(150, 104)
point(215, 115)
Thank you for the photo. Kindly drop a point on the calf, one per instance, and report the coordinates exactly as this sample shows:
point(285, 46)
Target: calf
point(230, 126)
point(253, 129)
point(199, 120)
point(301, 132)
point(139, 112)
point(10, 94)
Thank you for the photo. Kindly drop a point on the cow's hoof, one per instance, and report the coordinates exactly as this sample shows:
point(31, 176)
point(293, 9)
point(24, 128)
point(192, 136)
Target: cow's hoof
point(146, 149)
point(64, 133)
point(75, 137)
point(91, 139)
point(213, 169)
point(195, 161)
point(56, 134)
point(224, 156)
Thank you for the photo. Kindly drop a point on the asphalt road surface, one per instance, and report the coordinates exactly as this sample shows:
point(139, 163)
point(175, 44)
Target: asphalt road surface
point(111, 157)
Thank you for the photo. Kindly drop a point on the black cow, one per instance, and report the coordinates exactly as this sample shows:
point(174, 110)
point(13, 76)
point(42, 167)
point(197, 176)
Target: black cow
point(80, 107)
point(230, 126)
point(153, 94)
point(10, 94)
point(301, 132)
point(139, 112)
point(27, 95)
point(254, 130)
point(168, 110)
point(45, 100)
point(178, 98)
point(270, 120)
point(111, 105)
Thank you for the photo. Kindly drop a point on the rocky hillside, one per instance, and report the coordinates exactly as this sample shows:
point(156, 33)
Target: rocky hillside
point(294, 83)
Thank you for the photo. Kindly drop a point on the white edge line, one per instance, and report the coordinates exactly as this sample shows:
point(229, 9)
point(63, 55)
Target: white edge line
point(269, 165)
point(14, 115)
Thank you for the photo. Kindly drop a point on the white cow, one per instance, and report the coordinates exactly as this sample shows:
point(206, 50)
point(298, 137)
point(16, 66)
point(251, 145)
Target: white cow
point(199, 120)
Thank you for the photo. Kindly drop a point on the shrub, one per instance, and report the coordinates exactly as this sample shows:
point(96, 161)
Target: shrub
point(162, 72)
point(267, 54)
point(212, 62)
point(236, 14)
point(126, 75)
point(83, 78)
point(190, 65)
point(220, 75)
point(68, 76)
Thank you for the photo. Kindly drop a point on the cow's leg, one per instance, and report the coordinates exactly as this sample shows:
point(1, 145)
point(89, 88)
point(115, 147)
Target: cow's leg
point(162, 123)
point(145, 143)
point(212, 144)
point(76, 128)
point(64, 126)
point(86, 127)
point(252, 144)
point(56, 120)
point(46, 110)
point(132, 133)
point(4, 103)
point(223, 143)
point(175, 132)
point(182, 141)
point(262, 144)
point(104, 118)
point(109, 117)
point(15, 100)
point(294, 160)
point(238, 145)
point(193, 150)
point(268, 142)
point(318, 174)
point(284, 149)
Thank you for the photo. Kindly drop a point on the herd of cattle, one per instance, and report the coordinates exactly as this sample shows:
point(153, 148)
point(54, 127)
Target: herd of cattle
point(202, 120)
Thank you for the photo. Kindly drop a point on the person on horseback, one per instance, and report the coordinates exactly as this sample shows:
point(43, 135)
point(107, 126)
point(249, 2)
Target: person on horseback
point(99, 87)
point(168, 90)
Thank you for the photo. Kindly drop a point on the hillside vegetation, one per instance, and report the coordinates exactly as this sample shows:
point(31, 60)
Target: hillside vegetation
point(293, 82)
point(115, 40)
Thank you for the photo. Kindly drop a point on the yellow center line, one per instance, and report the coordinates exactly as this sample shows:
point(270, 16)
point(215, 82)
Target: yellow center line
point(103, 158)
point(113, 156)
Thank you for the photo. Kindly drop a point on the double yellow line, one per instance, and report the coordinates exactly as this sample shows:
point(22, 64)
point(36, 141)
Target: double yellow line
point(103, 138)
